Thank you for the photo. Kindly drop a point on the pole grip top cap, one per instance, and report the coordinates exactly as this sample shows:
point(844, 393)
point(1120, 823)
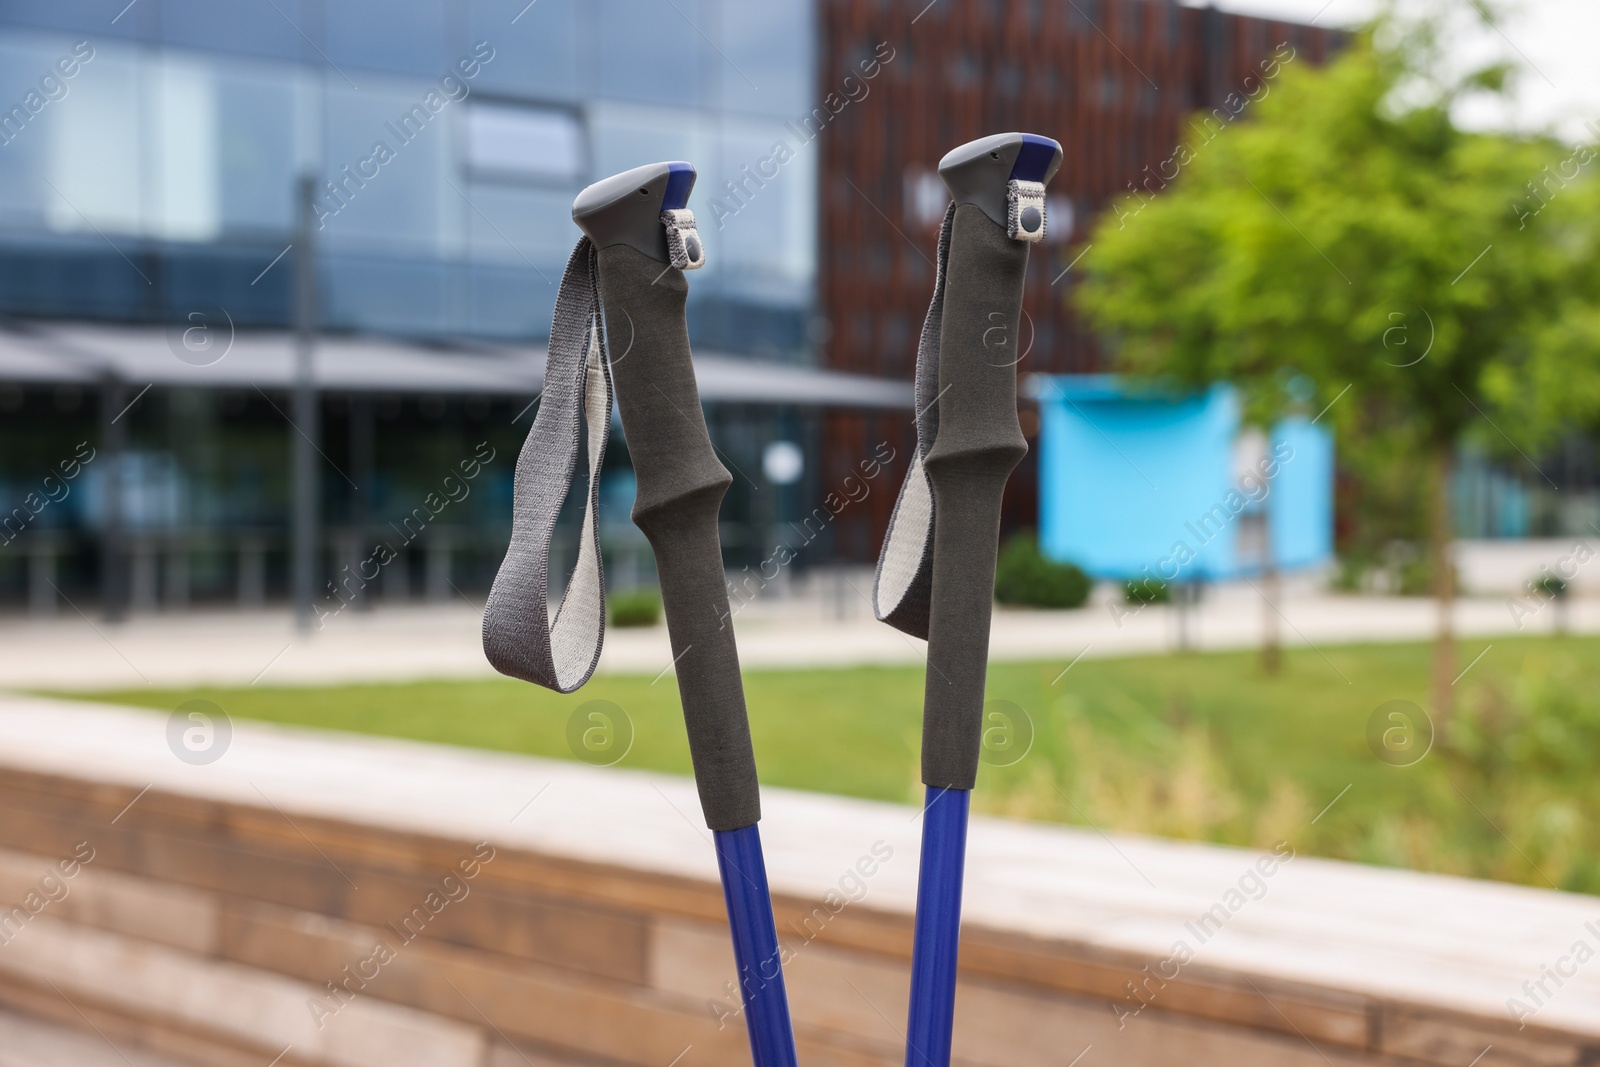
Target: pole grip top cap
point(626, 208)
point(980, 172)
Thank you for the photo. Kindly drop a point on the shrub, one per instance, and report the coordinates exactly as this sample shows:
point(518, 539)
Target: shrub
point(1024, 576)
point(634, 607)
point(1545, 727)
point(1549, 586)
point(1146, 591)
point(1415, 577)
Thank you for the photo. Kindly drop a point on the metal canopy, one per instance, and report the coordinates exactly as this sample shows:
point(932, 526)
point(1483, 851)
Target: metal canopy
point(220, 358)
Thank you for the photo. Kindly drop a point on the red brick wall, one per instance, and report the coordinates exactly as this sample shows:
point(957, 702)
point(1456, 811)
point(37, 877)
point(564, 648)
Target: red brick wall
point(1113, 80)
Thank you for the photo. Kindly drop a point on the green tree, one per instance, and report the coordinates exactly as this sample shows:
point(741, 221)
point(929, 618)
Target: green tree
point(1429, 280)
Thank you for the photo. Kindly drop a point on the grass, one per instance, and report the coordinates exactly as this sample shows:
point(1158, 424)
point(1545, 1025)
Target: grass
point(1201, 746)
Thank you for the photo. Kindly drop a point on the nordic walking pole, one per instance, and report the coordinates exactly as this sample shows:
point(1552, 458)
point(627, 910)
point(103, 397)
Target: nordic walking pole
point(936, 571)
point(626, 280)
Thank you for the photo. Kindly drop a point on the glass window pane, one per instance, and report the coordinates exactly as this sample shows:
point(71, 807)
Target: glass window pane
point(257, 149)
point(762, 227)
point(374, 35)
point(541, 46)
point(650, 51)
point(764, 57)
point(95, 160)
point(80, 17)
point(25, 137)
point(261, 29)
point(181, 147)
point(527, 228)
point(626, 137)
point(386, 294)
point(388, 154)
point(510, 302)
point(508, 142)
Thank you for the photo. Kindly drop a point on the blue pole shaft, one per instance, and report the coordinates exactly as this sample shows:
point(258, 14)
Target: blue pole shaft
point(938, 928)
point(755, 946)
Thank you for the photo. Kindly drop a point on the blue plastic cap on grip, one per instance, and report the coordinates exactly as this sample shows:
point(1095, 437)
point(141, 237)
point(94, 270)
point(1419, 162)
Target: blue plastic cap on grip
point(1037, 159)
point(680, 180)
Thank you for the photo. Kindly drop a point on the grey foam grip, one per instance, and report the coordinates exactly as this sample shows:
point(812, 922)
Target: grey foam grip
point(979, 444)
point(680, 488)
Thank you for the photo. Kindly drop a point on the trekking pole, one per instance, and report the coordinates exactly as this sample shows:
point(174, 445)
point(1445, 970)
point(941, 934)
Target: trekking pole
point(625, 281)
point(935, 575)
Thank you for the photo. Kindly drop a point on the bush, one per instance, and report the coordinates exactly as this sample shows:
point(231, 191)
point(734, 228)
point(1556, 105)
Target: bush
point(1024, 576)
point(1146, 591)
point(1544, 727)
point(634, 607)
point(1414, 575)
point(1549, 586)
point(1352, 573)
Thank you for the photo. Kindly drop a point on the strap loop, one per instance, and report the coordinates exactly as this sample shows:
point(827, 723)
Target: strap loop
point(1025, 210)
point(684, 247)
point(903, 584)
point(519, 636)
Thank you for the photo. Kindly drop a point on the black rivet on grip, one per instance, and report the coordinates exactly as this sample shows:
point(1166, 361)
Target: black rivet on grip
point(1031, 219)
point(692, 247)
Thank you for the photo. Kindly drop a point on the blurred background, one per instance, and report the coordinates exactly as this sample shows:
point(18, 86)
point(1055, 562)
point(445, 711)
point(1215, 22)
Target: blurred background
point(148, 268)
point(1300, 558)
point(1308, 359)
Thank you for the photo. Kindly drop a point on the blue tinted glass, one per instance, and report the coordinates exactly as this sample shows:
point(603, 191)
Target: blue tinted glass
point(256, 148)
point(510, 302)
point(761, 229)
point(651, 51)
point(24, 140)
point(100, 18)
point(512, 227)
point(387, 295)
point(386, 154)
point(252, 26)
point(405, 36)
point(626, 136)
point(103, 153)
point(764, 57)
point(537, 48)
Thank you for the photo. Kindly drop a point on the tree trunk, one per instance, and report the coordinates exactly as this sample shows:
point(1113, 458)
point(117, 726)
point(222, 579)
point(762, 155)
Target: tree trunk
point(1441, 539)
point(1272, 588)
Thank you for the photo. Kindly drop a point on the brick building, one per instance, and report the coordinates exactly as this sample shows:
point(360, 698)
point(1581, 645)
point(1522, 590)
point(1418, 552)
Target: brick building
point(1117, 82)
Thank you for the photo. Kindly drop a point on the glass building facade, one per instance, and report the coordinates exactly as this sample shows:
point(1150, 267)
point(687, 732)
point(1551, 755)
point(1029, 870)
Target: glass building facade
point(152, 155)
point(446, 140)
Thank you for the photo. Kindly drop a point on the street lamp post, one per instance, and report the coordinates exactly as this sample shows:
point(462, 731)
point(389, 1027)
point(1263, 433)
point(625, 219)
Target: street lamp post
point(304, 416)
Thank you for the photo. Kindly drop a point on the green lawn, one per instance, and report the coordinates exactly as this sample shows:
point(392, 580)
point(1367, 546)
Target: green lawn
point(1196, 746)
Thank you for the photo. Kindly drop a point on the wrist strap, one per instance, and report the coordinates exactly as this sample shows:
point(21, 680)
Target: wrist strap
point(903, 584)
point(519, 637)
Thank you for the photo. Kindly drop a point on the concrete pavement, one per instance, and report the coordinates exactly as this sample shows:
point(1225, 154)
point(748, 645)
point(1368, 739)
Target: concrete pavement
point(828, 623)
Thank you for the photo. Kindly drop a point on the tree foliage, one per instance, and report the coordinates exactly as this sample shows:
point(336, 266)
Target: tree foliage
point(1351, 251)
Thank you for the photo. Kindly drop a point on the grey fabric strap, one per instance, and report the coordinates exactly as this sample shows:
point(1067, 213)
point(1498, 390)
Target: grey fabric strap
point(519, 636)
point(680, 485)
point(936, 571)
point(904, 579)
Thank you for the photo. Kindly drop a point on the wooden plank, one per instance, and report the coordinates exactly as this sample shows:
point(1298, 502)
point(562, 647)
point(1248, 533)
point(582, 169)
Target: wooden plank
point(246, 1006)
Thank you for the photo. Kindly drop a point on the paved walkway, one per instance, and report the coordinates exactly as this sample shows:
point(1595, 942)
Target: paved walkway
point(831, 625)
